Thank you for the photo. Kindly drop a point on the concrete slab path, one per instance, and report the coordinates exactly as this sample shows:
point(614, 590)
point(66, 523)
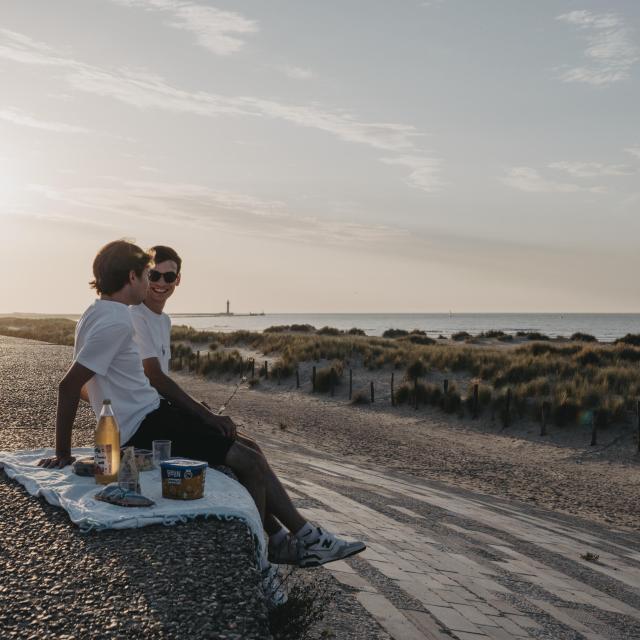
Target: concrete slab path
point(442, 562)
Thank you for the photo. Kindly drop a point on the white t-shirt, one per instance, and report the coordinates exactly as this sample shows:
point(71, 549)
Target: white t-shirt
point(104, 343)
point(152, 334)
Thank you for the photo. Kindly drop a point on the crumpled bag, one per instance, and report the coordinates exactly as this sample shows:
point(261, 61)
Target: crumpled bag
point(113, 494)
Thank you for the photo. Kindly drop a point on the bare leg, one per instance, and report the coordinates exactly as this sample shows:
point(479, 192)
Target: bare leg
point(251, 468)
point(278, 502)
point(271, 524)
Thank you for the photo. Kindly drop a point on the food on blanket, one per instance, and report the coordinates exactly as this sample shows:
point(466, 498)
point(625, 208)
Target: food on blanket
point(107, 449)
point(84, 467)
point(128, 476)
point(113, 494)
point(183, 479)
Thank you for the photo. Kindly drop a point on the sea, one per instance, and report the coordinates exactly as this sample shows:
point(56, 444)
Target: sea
point(606, 327)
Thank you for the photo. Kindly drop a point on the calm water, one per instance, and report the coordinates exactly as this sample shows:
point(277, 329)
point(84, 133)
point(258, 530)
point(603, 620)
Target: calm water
point(605, 327)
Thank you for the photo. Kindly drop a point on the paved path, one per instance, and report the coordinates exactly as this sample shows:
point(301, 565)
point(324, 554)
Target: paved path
point(445, 563)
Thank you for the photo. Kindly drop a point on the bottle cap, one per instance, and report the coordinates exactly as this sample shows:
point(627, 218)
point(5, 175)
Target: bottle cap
point(106, 401)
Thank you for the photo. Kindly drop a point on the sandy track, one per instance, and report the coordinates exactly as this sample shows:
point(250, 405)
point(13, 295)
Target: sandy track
point(560, 472)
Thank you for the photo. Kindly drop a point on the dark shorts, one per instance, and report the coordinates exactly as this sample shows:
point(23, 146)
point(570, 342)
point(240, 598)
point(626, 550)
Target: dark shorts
point(190, 437)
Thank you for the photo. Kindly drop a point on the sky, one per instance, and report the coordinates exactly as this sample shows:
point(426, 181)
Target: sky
point(336, 156)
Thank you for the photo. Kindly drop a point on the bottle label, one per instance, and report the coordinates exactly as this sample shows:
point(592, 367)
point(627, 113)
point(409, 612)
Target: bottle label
point(103, 459)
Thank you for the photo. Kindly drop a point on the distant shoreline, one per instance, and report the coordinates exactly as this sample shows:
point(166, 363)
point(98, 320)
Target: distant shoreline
point(605, 327)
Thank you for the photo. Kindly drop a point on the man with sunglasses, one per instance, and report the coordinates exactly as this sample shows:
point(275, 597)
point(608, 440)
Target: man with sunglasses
point(300, 543)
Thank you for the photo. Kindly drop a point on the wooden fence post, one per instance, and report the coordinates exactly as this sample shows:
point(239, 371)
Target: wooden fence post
point(297, 378)
point(266, 369)
point(373, 397)
point(393, 399)
point(475, 401)
point(253, 367)
point(313, 379)
point(350, 383)
point(507, 410)
point(198, 359)
point(543, 427)
point(445, 384)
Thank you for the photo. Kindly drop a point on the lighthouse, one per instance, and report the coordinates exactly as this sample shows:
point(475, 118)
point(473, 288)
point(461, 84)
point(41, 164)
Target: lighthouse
point(228, 307)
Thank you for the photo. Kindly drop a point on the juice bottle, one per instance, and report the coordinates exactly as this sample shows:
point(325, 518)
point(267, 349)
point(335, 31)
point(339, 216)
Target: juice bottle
point(107, 449)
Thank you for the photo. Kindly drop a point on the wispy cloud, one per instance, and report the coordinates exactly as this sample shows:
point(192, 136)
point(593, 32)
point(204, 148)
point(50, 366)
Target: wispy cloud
point(218, 31)
point(297, 73)
point(145, 90)
point(529, 180)
point(611, 52)
point(634, 151)
point(592, 169)
point(207, 208)
point(19, 47)
point(21, 118)
point(425, 171)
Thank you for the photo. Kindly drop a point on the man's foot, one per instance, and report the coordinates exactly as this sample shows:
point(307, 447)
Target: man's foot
point(287, 551)
point(319, 547)
point(273, 587)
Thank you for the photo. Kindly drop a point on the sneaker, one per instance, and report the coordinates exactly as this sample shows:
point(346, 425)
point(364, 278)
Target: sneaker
point(273, 587)
point(320, 546)
point(286, 552)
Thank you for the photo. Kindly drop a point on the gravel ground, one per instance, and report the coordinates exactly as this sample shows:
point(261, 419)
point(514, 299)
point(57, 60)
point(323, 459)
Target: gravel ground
point(192, 580)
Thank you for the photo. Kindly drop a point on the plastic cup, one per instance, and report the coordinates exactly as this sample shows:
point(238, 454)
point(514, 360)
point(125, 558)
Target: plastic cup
point(161, 451)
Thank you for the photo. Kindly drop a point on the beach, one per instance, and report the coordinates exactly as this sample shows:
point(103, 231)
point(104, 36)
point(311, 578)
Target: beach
point(388, 458)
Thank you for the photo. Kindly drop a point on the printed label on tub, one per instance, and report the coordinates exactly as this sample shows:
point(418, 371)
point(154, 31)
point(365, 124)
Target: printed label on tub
point(183, 479)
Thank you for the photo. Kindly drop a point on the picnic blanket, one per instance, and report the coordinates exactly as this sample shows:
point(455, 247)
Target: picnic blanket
point(224, 498)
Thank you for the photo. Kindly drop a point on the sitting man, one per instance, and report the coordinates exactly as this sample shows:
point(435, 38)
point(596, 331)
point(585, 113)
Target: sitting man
point(300, 543)
point(107, 360)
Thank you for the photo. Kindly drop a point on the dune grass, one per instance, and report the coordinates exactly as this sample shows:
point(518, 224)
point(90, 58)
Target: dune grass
point(576, 376)
point(54, 330)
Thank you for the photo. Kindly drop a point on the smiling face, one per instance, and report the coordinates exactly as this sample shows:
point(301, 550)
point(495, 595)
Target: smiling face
point(160, 291)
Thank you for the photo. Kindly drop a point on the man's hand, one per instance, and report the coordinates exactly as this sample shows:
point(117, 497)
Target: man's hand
point(57, 462)
point(223, 424)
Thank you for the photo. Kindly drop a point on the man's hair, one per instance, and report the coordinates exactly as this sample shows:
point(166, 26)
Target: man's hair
point(162, 253)
point(114, 262)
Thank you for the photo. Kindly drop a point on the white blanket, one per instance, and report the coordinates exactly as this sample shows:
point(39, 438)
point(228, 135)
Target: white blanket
point(224, 498)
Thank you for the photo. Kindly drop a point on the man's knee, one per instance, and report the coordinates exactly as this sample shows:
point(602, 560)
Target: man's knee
point(252, 444)
point(246, 460)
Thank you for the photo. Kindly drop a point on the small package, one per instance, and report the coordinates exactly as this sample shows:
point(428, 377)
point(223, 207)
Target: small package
point(114, 494)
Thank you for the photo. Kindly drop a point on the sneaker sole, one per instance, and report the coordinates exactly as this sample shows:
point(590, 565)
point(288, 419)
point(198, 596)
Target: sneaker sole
point(306, 564)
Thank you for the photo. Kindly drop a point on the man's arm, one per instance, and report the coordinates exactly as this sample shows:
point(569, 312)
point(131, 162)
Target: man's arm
point(69, 391)
point(170, 390)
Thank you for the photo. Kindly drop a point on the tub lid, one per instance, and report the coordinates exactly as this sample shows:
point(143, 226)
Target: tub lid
point(182, 463)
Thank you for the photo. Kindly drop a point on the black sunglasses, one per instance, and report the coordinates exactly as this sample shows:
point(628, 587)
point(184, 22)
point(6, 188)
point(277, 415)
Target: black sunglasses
point(169, 276)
